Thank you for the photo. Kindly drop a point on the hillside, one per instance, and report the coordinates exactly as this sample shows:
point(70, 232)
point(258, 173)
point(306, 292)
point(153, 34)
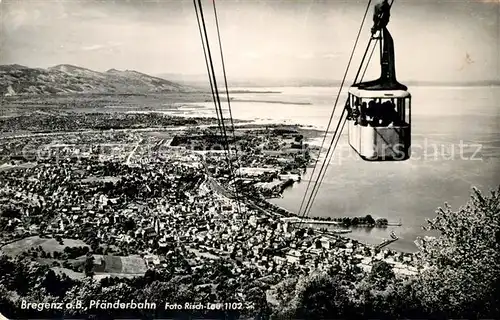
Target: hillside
point(66, 79)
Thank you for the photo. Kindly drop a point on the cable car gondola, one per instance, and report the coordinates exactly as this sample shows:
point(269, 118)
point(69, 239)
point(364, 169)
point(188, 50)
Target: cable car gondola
point(379, 122)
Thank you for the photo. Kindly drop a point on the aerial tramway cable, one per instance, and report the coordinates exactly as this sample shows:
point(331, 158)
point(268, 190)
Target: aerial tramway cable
point(213, 84)
point(214, 79)
point(208, 68)
point(322, 174)
point(333, 143)
point(329, 155)
point(228, 103)
point(223, 67)
point(333, 111)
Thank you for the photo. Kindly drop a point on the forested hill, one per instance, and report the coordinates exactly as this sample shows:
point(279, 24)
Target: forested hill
point(66, 79)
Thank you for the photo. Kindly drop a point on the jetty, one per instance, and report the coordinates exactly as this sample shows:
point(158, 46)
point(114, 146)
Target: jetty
point(394, 224)
point(386, 242)
point(332, 233)
point(310, 221)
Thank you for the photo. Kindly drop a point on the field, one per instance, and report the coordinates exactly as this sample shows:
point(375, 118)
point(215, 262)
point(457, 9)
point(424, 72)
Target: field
point(12, 166)
point(118, 265)
point(48, 245)
point(70, 273)
point(128, 265)
point(108, 265)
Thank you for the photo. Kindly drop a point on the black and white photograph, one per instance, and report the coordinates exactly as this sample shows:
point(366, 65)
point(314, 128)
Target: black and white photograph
point(249, 159)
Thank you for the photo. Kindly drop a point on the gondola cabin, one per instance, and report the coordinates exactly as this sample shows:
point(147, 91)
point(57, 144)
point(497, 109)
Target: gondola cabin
point(379, 110)
point(380, 125)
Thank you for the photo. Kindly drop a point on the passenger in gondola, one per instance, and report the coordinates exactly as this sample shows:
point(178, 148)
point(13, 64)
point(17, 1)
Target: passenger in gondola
point(374, 112)
point(354, 112)
point(362, 117)
point(354, 115)
point(388, 113)
point(393, 118)
point(370, 110)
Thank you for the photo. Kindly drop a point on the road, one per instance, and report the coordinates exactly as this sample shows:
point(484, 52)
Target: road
point(133, 151)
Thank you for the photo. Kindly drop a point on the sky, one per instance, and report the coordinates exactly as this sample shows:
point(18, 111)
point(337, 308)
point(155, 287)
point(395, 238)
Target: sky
point(449, 40)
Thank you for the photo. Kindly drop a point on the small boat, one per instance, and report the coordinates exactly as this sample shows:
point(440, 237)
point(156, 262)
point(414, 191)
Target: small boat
point(393, 235)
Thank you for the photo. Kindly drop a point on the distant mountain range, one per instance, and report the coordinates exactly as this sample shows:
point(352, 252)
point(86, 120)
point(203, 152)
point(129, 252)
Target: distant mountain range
point(201, 81)
point(64, 79)
point(67, 79)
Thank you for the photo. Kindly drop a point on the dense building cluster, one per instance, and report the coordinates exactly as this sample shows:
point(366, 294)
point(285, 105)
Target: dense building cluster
point(137, 201)
point(71, 121)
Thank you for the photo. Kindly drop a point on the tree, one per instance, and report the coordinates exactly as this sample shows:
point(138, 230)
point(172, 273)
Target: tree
point(129, 224)
point(10, 212)
point(299, 138)
point(150, 276)
point(88, 266)
point(381, 274)
point(318, 244)
point(461, 273)
point(321, 297)
point(355, 221)
point(88, 289)
point(369, 220)
point(59, 239)
point(7, 306)
point(282, 297)
point(56, 285)
point(256, 298)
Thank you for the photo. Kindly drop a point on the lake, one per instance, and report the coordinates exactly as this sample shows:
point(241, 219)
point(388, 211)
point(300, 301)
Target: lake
point(455, 145)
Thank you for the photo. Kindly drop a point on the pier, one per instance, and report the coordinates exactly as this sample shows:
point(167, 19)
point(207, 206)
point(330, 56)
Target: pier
point(394, 224)
point(310, 221)
point(386, 243)
point(336, 223)
point(331, 233)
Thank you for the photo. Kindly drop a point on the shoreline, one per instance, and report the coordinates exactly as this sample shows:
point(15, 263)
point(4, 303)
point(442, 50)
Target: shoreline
point(363, 234)
point(352, 234)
